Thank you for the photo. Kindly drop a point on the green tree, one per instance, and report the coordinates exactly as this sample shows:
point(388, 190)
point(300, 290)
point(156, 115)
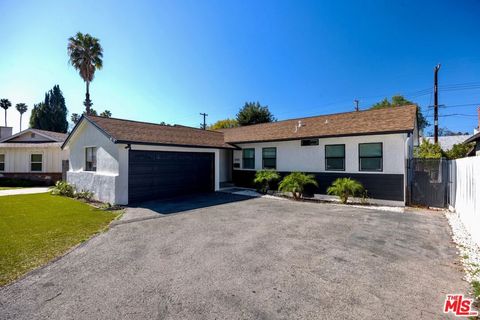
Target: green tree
point(344, 188)
point(106, 114)
point(459, 150)
point(52, 113)
point(86, 56)
point(264, 177)
point(75, 117)
point(253, 113)
point(295, 183)
point(428, 150)
point(21, 108)
point(5, 104)
point(398, 101)
point(224, 124)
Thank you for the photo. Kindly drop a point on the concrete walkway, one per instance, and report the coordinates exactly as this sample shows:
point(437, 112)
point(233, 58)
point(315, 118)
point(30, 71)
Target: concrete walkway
point(13, 192)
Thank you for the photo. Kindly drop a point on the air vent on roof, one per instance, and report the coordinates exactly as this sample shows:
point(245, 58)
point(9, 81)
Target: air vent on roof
point(299, 125)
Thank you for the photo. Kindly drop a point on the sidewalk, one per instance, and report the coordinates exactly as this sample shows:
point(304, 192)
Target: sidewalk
point(13, 192)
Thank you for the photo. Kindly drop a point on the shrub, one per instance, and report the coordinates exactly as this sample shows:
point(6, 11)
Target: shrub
point(264, 177)
point(84, 194)
point(428, 150)
point(22, 183)
point(344, 188)
point(63, 188)
point(295, 183)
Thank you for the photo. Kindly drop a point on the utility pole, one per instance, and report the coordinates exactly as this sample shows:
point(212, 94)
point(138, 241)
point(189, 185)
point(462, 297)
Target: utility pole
point(204, 125)
point(435, 103)
point(356, 105)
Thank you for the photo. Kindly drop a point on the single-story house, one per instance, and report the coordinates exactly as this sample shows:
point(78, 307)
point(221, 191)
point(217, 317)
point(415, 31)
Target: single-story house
point(371, 146)
point(447, 142)
point(125, 161)
point(475, 139)
point(33, 154)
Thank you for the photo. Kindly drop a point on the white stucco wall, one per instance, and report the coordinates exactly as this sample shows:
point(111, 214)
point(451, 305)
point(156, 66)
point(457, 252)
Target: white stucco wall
point(291, 156)
point(103, 182)
point(225, 165)
point(17, 156)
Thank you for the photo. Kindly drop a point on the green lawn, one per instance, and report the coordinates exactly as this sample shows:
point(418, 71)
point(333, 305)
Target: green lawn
point(8, 188)
point(36, 228)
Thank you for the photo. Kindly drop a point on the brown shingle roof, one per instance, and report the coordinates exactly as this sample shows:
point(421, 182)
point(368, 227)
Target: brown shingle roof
point(57, 136)
point(127, 131)
point(397, 119)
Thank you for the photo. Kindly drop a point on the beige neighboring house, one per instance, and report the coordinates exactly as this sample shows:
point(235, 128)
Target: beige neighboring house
point(32, 154)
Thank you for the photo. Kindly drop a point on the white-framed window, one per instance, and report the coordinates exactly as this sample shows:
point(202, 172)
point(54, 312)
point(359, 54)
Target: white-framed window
point(248, 158)
point(269, 158)
point(2, 162)
point(370, 156)
point(36, 162)
point(335, 157)
point(91, 159)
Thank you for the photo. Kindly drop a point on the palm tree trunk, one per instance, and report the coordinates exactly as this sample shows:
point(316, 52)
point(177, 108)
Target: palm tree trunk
point(87, 99)
point(21, 121)
point(5, 117)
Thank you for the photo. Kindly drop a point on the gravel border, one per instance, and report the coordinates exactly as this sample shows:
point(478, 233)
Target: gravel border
point(468, 249)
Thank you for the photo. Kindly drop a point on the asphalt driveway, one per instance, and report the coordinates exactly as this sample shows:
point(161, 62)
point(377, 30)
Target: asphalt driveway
point(232, 257)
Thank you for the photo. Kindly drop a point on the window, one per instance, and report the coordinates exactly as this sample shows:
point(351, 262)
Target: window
point(91, 159)
point(309, 142)
point(249, 158)
point(370, 156)
point(335, 157)
point(36, 162)
point(269, 158)
point(2, 162)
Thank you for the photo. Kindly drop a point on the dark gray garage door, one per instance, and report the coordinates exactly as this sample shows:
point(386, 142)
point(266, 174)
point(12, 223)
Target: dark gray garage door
point(159, 174)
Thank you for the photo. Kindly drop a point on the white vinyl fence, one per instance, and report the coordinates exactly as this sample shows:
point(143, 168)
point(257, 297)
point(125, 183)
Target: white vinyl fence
point(464, 193)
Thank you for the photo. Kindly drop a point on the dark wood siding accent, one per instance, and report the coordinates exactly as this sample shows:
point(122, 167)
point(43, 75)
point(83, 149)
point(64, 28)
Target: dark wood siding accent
point(379, 186)
point(161, 174)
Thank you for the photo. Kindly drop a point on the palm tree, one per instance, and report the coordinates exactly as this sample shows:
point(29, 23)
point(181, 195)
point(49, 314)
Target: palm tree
point(344, 188)
point(5, 104)
point(295, 183)
point(86, 55)
point(22, 108)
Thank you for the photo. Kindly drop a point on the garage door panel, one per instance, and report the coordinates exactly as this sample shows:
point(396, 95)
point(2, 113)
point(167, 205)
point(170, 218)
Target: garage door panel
point(160, 174)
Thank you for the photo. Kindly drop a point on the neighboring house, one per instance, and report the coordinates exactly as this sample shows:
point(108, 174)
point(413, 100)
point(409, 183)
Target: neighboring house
point(370, 146)
point(475, 139)
point(447, 142)
point(33, 154)
point(123, 161)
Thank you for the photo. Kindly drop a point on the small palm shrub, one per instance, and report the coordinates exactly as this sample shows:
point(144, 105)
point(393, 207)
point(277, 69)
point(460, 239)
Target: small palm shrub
point(295, 183)
point(84, 194)
point(63, 188)
point(264, 177)
point(344, 188)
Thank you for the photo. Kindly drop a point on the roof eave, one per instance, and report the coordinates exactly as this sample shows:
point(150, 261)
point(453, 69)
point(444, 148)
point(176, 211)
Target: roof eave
point(82, 118)
point(324, 136)
point(229, 147)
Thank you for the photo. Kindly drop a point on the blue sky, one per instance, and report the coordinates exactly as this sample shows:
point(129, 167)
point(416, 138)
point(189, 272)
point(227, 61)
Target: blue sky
point(170, 60)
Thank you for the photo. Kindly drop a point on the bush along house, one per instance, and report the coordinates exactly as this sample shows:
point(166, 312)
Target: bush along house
point(371, 146)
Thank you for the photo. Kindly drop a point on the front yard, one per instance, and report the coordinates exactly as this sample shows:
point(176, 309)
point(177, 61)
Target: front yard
point(36, 228)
